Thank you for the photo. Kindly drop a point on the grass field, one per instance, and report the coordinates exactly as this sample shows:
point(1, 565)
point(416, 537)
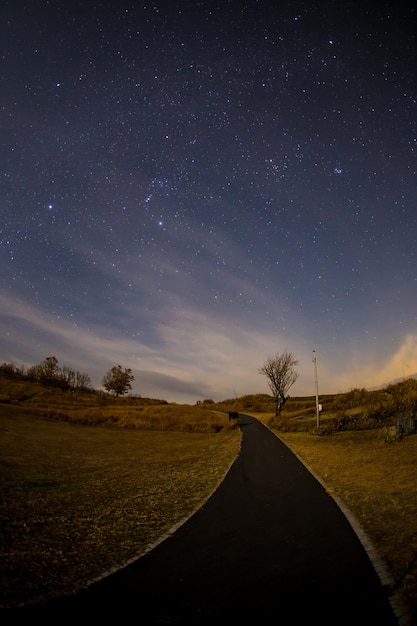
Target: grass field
point(78, 500)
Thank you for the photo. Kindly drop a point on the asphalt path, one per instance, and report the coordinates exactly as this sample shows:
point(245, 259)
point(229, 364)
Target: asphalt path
point(270, 545)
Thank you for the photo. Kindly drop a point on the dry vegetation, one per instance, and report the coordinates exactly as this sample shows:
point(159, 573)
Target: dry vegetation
point(78, 500)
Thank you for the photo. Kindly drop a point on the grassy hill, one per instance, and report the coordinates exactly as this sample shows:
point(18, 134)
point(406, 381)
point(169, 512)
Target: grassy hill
point(357, 409)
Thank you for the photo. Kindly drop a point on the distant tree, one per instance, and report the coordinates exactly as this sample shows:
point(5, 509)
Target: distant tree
point(49, 372)
point(67, 377)
point(11, 371)
point(82, 381)
point(281, 375)
point(118, 380)
point(72, 379)
point(34, 373)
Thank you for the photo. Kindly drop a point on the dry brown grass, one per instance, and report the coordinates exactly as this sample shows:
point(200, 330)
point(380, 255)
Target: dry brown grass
point(105, 410)
point(164, 417)
point(77, 500)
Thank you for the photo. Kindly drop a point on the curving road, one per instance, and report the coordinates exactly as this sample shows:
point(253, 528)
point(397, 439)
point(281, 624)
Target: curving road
point(269, 545)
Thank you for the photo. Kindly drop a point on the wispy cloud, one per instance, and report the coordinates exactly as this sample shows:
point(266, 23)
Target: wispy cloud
point(193, 355)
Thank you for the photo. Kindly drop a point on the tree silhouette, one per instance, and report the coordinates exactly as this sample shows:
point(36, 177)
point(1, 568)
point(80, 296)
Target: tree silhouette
point(118, 380)
point(281, 375)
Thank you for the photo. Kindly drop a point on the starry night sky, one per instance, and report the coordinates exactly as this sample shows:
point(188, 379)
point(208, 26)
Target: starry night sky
point(188, 188)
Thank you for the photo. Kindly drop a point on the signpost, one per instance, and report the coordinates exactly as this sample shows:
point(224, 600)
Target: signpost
point(317, 389)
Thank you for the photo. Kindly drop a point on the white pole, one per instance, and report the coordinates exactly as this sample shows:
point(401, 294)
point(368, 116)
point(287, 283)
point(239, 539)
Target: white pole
point(317, 389)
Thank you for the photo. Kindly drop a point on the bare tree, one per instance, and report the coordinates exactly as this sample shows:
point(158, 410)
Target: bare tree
point(67, 376)
point(118, 380)
point(82, 381)
point(75, 380)
point(281, 376)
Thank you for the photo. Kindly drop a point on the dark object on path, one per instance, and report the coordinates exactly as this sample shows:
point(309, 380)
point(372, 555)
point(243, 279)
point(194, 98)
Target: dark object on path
point(233, 415)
